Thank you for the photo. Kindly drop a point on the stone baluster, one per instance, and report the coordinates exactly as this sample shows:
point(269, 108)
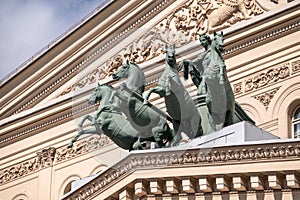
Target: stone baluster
point(188, 184)
point(156, 186)
point(141, 188)
point(126, 194)
point(275, 181)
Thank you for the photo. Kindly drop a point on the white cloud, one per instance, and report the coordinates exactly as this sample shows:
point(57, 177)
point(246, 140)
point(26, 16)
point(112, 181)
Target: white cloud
point(29, 25)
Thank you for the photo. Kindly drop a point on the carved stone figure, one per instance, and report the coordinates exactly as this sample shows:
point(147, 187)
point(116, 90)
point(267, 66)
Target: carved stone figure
point(147, 119)
point(226, 11)
point(208, 72)
point(109, 121)
point(180, 106)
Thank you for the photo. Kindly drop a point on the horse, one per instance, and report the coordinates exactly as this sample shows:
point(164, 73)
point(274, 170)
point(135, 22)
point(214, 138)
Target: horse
point(135, 78)
point(147, 119)
point(109, 121)
point(213, 82)
point(180, 105)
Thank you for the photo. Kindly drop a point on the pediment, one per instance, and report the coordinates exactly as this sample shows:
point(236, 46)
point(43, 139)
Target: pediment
point(136, 31)
point(140, 38)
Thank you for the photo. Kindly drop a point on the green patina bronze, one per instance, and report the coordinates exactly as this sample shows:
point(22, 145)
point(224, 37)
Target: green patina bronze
point(144, 123)
point(147, 119)
point(208, 72)
point(180, 106)
point(135, 78)
point(109, 121)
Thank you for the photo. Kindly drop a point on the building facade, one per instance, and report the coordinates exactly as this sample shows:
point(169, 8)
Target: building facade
point(43, 102)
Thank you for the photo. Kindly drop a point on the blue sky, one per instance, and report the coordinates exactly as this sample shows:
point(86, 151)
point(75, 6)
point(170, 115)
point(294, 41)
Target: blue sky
point(29, 25)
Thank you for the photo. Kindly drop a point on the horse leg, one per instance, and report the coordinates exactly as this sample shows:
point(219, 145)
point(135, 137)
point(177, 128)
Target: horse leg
point(229, 118)
point(92, 130)
point(195, 124)
point(202, 87)
point(158, 90)
point(177, 132)
point(137, 145)
point(80, 130)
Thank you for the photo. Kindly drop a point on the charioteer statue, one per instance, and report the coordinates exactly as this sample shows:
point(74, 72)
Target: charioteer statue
point(132, 122)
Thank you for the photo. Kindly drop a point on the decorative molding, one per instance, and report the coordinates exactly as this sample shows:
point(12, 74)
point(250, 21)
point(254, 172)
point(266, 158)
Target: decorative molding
point(181, 27)
point(266, 97)
point(42, 160)
point(188, 157)
point(266, 77)
point(51, 156)
point(81, 147)
point(295, 66)
point(55, 119)
point(237, 88)
point(83, 63)
point(263, 37)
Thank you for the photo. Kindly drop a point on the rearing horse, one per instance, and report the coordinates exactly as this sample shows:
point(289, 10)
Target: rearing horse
point(147, 119)
point(180, 105)
point(109, 121)
point(135, 78)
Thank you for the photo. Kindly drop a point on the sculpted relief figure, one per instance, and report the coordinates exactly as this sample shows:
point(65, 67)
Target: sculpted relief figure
point(208, 72)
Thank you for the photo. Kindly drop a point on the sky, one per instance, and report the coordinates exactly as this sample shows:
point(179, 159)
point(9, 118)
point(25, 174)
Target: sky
point(29, 25)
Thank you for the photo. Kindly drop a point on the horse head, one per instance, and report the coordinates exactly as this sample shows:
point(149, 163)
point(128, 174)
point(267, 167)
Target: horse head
point(170, 55)
point(122, 71)
point(100, 92)
point(219, 41)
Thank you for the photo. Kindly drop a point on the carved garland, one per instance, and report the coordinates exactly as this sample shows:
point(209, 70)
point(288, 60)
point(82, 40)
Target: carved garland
point(188, 157)
point(265, 98)
point(49, 157)
point(54, 120)
point(43, 159)
point(80, 147)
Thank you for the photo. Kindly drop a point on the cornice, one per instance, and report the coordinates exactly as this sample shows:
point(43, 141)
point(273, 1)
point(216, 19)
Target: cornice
point(188, 158)
point(39, 120)
point(147, 13)
point(151, 44)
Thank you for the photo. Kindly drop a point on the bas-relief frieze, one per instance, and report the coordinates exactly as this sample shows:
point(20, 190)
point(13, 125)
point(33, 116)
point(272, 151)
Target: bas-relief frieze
point(266, 77)
point(263, 78)
point(43, 159)
point(269, 76)
point(51, 156)
point(181, 27)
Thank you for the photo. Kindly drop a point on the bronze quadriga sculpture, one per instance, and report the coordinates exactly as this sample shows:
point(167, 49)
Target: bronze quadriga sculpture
point(131, 121)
